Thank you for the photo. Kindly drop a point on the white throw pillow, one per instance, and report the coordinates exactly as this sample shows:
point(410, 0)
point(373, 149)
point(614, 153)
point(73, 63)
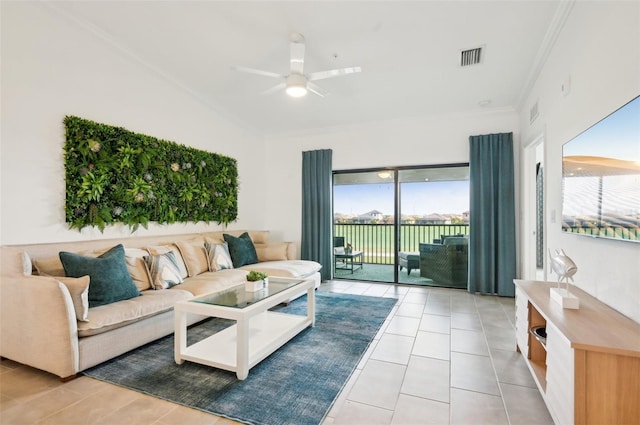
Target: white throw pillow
point(162, 249)
point(137, 266)
point(218, 256)
point(164, 270)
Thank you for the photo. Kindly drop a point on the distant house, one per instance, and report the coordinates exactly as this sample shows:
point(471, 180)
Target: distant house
point(408, 219)
point(433, 219)
point(465, 217)
point(369, 217)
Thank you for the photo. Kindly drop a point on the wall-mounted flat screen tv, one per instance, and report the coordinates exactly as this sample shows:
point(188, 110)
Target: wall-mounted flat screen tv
point(601, 177)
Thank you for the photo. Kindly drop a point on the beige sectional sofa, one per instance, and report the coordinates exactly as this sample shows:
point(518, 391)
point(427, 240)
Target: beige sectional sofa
point(41, 311)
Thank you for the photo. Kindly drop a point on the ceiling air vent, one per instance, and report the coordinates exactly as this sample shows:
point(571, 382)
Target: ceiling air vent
point(471, 56)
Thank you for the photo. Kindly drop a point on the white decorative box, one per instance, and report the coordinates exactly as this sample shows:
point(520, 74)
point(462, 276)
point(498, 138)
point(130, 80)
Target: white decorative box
point(564, 298)
point(257, 285)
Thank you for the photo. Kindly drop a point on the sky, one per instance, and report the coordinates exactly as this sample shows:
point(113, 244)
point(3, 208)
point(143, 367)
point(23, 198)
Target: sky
point(421, 198)
point(616, 136)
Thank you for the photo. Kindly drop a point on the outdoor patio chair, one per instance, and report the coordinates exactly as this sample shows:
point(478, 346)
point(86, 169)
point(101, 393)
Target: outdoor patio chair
point(446, 263)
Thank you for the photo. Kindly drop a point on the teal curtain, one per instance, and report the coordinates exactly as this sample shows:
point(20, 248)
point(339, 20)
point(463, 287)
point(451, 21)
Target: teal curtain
point(492, 234)
point(316, 209)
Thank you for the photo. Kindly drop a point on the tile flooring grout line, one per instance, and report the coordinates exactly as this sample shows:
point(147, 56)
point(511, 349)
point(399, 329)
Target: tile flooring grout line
point(495, 373)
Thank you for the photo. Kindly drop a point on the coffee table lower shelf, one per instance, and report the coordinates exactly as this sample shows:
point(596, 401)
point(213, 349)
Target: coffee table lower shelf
point(267, 332)
point(257, 332)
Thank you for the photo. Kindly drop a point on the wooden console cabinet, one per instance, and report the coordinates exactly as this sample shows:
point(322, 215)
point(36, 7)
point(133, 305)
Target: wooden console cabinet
point(588, 369)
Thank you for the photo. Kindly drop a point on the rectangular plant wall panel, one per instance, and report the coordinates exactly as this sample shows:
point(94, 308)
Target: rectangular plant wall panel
point(116, 176)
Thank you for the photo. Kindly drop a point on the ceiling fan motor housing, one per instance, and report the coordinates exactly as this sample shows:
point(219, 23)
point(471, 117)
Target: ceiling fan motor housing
point(296, 85)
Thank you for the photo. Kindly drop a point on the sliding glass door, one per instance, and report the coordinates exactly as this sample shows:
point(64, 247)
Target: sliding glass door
point(364, 218)
point(434, 211)
point(389, 222)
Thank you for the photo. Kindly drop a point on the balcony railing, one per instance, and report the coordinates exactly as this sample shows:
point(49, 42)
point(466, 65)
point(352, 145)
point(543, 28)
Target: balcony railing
point(630, 233)
point(377, 240)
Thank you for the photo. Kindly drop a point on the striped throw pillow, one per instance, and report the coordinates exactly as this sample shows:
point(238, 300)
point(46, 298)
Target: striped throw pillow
point(164, 269)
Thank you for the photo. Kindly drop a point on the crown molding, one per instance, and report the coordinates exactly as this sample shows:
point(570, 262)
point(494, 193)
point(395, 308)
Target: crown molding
point(58, 11)
point(555, 28)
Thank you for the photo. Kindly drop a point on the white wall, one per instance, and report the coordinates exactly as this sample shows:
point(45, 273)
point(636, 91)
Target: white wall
point(416, 141)
point(52, 68)
point(599, 50)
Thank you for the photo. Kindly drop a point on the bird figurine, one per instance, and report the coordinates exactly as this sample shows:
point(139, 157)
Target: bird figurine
point(562, 266)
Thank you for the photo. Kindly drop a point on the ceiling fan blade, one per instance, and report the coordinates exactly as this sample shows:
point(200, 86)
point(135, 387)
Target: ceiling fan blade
point(333, 73)
point(296, 50)
point(274, 89)
point(257, 71)
point(314, 88)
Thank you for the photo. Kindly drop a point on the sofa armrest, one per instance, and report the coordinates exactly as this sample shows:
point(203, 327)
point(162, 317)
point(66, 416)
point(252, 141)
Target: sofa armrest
point(38, 324)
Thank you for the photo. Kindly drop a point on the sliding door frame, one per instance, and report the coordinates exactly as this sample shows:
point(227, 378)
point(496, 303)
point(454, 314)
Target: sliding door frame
point(397, 221)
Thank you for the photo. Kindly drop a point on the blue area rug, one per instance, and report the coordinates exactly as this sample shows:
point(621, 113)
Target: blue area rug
point(295, 385)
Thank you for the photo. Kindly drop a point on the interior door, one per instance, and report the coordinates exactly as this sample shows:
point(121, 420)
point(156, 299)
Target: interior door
point(534, 245)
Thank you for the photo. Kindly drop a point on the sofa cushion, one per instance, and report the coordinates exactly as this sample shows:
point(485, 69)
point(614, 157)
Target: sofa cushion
point(110, 279)
point(164, 270)
point(218, 256)
point(49, 266)
point(213, 281)
point(134, 257)
point(79, 290)
point(273, 251)
point(289, 268)
point(241, 249)
point(257, 236)
point(194, 255)
point(122, 313)
point(162, 249)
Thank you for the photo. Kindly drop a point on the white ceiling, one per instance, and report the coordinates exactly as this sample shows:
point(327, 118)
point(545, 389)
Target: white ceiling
point(408, 52)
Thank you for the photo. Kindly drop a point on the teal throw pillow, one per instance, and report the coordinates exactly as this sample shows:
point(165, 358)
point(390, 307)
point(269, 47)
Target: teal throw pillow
point(110, 280)
point(241, 249)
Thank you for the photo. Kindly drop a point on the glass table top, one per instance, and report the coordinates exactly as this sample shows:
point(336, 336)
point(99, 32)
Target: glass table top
point(237, 297)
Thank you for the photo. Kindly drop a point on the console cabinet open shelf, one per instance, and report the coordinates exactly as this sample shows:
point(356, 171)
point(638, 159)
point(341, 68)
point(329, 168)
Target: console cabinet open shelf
point(588, 369)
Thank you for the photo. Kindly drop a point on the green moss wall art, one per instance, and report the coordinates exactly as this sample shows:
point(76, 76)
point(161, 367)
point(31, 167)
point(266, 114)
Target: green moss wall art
point(116, 176)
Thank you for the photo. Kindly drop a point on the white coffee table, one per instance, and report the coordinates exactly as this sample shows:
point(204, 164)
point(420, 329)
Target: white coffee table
point(257, 332)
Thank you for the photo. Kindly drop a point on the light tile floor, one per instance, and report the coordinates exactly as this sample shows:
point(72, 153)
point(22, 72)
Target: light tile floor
point(443, 356)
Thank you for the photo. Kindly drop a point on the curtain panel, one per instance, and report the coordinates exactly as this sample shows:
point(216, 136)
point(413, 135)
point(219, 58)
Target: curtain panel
point(316, 209)
point(492, 241)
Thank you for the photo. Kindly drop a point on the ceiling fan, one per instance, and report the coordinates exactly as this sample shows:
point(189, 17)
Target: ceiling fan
point(297, 83)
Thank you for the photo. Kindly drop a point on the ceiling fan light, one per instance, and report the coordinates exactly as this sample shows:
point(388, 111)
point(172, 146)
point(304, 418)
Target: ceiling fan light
point(296, 91)
point(296, 85)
